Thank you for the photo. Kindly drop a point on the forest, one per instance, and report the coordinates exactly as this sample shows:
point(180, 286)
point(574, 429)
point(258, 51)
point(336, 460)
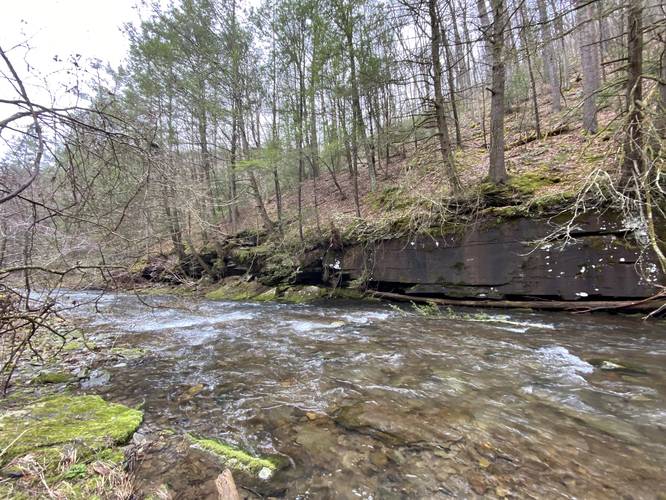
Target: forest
point(294, 117)
point(295, 149)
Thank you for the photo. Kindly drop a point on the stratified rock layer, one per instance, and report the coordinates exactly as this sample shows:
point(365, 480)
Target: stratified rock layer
point(599, 260)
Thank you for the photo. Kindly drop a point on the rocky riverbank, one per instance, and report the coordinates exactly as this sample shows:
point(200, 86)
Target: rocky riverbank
point(60, 440)
point(599, 259)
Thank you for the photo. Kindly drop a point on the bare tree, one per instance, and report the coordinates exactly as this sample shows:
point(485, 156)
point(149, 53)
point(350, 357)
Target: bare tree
point(589, 58)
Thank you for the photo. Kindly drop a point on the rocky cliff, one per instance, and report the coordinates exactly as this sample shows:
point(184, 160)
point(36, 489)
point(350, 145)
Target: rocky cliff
point(600, 258)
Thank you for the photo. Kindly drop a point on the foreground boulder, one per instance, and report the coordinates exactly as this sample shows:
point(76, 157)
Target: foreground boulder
point(70, 443)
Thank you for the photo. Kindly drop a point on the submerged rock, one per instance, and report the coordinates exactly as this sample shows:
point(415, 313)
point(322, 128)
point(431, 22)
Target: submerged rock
point(128, 352)
point(384, 425)
point(96, 378)
point(617, 366)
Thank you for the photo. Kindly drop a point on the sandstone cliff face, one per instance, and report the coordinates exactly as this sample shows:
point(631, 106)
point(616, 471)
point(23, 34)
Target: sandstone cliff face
point(602, 260)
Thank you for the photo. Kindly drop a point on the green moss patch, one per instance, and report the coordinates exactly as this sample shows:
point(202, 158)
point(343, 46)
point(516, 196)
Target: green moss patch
point(86, 420)
point(237, 459)
point(302, 294)
point(268, 295)
point(128, 352)
point(53, 378)
point(236, 290)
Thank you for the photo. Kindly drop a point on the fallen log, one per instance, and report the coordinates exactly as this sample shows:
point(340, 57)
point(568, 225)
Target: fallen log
point(563, 129)
point(643, 305)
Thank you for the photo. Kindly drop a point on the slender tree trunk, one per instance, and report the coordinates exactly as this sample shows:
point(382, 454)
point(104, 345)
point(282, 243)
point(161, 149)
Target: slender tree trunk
point(460, 62)
point(299, 129)
point(526, 43)
point(274, 133)
point(233, 190)
point(314, 145)
point(440, 112)
point(497, 172)
point(661, 103)
point(358, 128)
point(168, 191)
point(261, 207)
point(551, 72)
point(633, 147)
point(563, 56)
point(351, 152)
point(485, 28)
point(589, 56)
point(452, 88)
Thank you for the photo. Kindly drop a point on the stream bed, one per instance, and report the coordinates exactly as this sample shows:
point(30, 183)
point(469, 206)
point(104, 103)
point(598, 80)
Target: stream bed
point(363, 400)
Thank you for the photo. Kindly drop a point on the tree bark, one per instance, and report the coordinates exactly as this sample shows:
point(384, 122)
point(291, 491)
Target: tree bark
point(440, 112)
point(497, 170)
point(526, 43)
point(589, 57)
point(358, 126)
point(551, 72)
point(633, 147)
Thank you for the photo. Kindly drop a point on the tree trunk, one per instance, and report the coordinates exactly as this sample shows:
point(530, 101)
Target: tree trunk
point(526, 43)
point(358, 126)
point(452, 88)
point(497, 170)
point(261, 208)
point(589, 57)
point(563, 57)
point(233, 192)
point(485, 28)
point(661, 103)
point(633, 147)
point(460, 62)
point(551, 72)
point(440, 112)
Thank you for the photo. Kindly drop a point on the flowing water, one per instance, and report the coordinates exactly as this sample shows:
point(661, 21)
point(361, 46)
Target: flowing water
point(366, 401)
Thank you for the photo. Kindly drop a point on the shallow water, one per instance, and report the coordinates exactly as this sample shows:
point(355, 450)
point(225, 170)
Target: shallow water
point(364, 401)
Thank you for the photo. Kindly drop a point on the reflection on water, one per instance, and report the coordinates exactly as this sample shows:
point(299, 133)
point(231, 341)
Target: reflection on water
point(365, 402)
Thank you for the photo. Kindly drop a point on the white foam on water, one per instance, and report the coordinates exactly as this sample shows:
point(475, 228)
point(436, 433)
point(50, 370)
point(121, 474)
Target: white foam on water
point(310, 326)
point(520, 326)
point(366, 317)
point(155, 323)
point(565, 365)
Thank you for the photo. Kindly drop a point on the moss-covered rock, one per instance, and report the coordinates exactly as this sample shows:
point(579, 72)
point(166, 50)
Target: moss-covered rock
point(530, 182)
point(53, 378)
point(235, 289)
point(128, 352)
point(302, 294)
point(617, 365)
point(268, 295)
point(51, 423)
point(237, 459)
point(350, 294)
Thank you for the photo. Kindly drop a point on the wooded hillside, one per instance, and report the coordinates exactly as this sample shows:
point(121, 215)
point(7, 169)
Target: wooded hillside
point(303, 117)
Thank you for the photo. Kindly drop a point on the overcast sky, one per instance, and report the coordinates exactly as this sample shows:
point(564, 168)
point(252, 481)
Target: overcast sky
point(65, 27)
point(56, 30)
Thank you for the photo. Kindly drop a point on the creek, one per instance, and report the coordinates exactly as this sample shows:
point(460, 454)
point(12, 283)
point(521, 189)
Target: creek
point(363, 400)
